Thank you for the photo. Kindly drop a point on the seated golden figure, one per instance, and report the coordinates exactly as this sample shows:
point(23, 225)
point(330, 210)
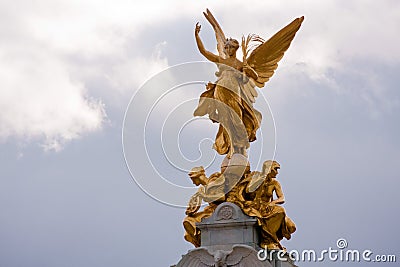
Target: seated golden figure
point(211, 190)
point(254, 194)
point(257, 199)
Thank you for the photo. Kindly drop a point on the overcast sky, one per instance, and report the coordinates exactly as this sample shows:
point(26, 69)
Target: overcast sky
point(68, 70)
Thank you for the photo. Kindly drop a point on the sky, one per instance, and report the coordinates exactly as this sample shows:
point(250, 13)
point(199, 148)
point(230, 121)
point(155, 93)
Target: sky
point(97, 133)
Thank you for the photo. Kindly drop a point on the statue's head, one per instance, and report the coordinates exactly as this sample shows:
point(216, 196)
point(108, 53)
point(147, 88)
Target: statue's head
point(270, 168)
point(231, 46)
point(197, 181)
point(197, 174)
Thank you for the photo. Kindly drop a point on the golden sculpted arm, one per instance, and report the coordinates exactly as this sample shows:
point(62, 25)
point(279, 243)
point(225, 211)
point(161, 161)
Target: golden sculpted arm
point(279, 194)
point(207, 54)
point(265, 185)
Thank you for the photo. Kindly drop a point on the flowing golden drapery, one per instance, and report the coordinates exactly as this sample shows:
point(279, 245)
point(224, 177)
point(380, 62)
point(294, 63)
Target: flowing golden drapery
point(226, 104)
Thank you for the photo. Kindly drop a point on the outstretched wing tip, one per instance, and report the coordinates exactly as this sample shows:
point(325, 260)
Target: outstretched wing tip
point(264, 59)
point(219, 34)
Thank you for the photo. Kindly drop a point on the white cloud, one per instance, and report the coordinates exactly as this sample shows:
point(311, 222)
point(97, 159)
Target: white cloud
point(43, 94)
point(39, 100)
point(130, 73)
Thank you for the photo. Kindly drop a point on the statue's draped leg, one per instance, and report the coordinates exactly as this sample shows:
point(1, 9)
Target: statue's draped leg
point(275, 225)
point(238, 120)
point(192, 234)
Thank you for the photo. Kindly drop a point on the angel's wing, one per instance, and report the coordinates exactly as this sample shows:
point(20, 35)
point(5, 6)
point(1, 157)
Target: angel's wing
point(198, 257)
point(256, 180)
point(244, 256)
point(219, 34)
point(265, 57)
point(215, 188)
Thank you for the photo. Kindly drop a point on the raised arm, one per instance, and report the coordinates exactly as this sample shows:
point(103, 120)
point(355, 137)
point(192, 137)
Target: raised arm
point(207, 54)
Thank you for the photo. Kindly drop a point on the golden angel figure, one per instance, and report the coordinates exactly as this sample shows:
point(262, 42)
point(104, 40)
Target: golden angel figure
point(229, 101)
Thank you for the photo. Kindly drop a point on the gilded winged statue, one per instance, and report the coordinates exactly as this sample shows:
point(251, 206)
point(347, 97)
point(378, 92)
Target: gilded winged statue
point(229, 101)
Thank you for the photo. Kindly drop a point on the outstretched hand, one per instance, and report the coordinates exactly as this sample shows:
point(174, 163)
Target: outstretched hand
point(197, 29)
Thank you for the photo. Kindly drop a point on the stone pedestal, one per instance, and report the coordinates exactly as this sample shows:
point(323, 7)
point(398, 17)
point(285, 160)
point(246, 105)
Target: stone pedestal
point(229, 238)
point(228, 226)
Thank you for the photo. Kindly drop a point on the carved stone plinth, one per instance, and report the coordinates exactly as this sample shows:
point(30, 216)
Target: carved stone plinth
point(228, 226)
point(229, 238)
point(238, 255)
